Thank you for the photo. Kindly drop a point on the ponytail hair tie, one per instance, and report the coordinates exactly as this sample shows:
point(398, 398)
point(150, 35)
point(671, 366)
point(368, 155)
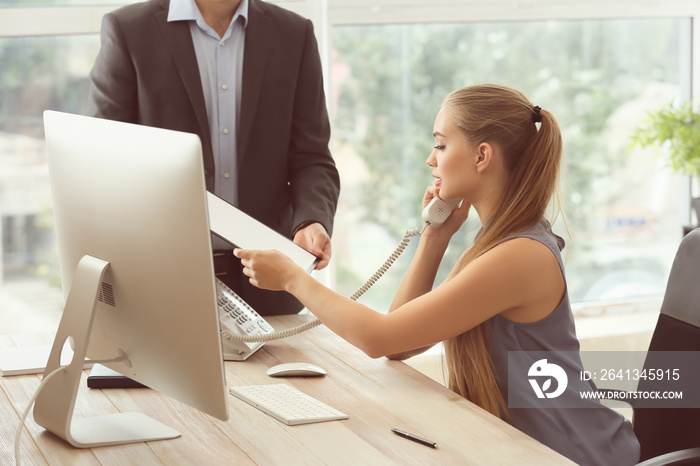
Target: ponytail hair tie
point(536, 116)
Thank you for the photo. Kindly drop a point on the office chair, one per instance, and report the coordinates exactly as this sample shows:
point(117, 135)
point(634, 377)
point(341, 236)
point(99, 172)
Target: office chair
point(671, 436)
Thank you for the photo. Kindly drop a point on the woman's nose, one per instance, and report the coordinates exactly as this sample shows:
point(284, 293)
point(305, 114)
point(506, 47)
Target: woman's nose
point(431, 161)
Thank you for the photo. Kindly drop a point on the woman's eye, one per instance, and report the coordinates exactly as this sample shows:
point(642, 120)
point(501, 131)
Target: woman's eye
point(439, 147)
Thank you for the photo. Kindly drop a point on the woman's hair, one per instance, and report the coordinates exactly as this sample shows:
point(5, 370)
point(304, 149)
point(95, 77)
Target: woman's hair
point(506, 119)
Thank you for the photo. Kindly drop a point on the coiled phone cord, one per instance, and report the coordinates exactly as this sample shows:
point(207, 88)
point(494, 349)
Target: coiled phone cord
point(388, 263)
point(314, 323)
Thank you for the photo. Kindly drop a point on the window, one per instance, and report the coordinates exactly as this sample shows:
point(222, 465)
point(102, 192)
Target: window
point(47, 49)
point(598, 76)
point(390, 65)
point(38, 73)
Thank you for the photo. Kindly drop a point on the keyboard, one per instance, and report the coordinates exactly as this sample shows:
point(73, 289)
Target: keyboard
point(287, 404)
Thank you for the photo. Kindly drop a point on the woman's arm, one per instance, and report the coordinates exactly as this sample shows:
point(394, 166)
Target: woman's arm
point(520, 276)
point(419, 280)
point(420, 277)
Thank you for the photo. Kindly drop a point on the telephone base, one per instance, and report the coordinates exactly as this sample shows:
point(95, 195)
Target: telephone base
point(231, 354)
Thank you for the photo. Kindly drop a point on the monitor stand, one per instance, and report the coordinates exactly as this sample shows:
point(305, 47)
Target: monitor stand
point(55, 403)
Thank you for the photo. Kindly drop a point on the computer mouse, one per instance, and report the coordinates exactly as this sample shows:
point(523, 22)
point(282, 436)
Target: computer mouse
point(296, 369)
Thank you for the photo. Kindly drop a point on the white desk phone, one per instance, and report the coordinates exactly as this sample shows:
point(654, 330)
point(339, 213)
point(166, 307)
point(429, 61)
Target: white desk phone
point(243, 330)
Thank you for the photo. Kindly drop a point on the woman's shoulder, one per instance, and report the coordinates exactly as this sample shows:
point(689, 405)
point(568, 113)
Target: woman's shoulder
point(531, 271)
point(523, 247)
point(542, 231)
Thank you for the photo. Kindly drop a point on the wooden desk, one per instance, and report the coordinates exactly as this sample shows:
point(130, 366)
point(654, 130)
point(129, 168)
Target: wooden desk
point(377, 395)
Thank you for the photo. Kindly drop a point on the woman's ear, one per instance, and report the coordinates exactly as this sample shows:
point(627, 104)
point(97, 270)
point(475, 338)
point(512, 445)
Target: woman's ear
point(484, 156)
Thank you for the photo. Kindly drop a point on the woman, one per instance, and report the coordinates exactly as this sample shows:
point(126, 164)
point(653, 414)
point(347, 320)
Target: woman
point(507, 292)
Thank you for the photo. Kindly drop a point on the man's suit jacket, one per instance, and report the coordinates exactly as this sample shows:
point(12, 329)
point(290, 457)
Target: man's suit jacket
point(147, 73)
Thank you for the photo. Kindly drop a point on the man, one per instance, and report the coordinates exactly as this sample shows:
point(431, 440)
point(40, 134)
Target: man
point(246, 77)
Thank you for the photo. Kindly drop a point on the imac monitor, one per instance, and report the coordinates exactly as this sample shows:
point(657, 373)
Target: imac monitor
point(134, 247)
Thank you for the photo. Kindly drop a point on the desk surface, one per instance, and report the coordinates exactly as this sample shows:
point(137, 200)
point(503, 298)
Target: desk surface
point(378, 395)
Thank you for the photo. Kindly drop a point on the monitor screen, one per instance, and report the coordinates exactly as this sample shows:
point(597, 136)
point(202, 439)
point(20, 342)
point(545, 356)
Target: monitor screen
point(134, 197)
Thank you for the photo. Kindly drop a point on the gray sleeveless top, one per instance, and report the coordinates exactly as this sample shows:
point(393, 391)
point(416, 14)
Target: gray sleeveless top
point(589, 435)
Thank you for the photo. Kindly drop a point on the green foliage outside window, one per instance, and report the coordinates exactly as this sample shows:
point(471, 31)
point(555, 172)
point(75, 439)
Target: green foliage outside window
point(585, 72)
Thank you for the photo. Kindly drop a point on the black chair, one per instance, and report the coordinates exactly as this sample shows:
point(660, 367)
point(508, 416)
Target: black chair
point(671, 436)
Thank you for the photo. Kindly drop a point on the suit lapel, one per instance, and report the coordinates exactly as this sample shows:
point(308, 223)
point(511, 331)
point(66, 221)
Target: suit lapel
point(177, 36)
point(255, 55)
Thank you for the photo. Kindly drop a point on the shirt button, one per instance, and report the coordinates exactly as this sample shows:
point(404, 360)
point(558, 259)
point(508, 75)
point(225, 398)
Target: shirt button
point(225, 131)
point(222, 43)
point(227, 176)
point(224, 86)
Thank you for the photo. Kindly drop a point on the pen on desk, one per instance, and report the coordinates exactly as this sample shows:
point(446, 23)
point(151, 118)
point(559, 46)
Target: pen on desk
point(415, 438)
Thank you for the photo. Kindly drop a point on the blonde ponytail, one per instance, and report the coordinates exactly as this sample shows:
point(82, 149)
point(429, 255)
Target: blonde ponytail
point(530, 140)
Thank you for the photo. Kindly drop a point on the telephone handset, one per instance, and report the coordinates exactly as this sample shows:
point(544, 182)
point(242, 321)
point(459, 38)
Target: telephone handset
point(437, 211)
point(244, 331)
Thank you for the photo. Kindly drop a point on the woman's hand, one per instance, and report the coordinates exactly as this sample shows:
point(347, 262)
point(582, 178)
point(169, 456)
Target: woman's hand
point(269, 270)
point(454, 221)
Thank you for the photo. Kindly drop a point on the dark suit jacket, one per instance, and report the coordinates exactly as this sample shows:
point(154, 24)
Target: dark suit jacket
point(147, 73)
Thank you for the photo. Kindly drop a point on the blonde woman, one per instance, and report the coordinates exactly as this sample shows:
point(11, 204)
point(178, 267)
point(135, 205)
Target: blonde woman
point(507, 293)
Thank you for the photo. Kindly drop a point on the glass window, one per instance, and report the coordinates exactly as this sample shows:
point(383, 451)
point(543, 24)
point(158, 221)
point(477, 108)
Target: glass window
point(598, 77)
point(38, 73)
point(41, 69)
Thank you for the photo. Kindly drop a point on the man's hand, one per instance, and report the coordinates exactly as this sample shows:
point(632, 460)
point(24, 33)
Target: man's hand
point(315, 239)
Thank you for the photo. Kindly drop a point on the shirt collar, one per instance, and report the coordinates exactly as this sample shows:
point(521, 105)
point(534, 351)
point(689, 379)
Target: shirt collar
point(187, 10)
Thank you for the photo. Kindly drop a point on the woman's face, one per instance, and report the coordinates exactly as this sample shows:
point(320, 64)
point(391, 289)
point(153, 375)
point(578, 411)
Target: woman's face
point(451, 159)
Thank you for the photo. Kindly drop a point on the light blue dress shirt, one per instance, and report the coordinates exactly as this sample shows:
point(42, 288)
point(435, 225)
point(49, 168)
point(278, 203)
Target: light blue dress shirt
point(220, 61)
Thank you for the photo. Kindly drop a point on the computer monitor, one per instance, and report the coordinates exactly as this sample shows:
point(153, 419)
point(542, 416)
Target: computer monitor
point(134, 248)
